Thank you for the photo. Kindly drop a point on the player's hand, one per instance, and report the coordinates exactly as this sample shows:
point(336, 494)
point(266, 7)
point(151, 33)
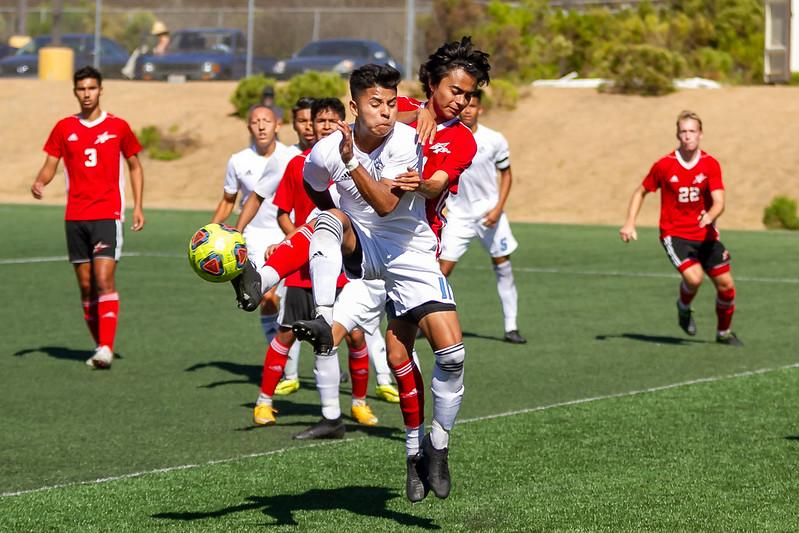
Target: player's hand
point(490, 218)
point(704, 219)
point(408, 181)
point(345, 147)
point(425, 125)
point(138, 220)
point(628, 233)
point(37, 189)
point(270, 250)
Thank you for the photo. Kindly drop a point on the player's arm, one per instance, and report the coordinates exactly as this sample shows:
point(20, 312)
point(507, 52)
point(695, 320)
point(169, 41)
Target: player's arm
point(284, 221)
point(715, 211)
point(136, 172)
point(45, 176)
point(248, 210)
point(224, 207)
point(425, 120)
point(627, 232)
point(491, 217)
point(321, 199)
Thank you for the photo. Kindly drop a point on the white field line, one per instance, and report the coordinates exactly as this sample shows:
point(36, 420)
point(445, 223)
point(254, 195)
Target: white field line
point(531, 270)
point(465, 421)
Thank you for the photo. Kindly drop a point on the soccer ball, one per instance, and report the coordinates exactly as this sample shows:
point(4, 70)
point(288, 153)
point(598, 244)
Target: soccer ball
point(217, 252)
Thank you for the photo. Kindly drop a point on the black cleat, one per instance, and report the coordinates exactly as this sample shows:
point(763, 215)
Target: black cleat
point(248, 287)
point(437, 464)
point(324, 429)
point(317, 331)
point(730, 339)
point(685, 318)
point(514, 337)
point(416, 487)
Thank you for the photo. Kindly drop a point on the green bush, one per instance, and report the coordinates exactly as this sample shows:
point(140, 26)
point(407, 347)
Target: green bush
point(165, 147)
point(128, 29)
point(502, 94)
point(248, 92)
point(781, 214)
point(642, 69)
point(311, 84)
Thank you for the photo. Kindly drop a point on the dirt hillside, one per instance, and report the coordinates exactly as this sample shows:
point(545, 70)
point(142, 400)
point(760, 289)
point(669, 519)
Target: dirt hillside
point(576, 154)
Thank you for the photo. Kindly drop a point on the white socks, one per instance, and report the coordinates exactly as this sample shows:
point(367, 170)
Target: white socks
point(291, 371)
point(328, 373)
point(447, 387)
point(508, 297)
point(325, 262)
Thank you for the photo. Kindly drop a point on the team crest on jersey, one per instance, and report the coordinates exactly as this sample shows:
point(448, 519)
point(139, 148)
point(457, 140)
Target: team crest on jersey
point(103, 137)
point(440, 148)
point(674, 179)
point(379, 166)
point(699, 179)
point(72, 138)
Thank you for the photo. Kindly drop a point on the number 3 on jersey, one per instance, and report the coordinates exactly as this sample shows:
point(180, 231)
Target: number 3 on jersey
point(91, 157)
point(688, 194)
point(446, 290)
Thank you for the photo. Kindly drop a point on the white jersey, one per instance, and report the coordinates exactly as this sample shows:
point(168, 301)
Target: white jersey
point(265, 183)
point(407, 224)
point(477, 189)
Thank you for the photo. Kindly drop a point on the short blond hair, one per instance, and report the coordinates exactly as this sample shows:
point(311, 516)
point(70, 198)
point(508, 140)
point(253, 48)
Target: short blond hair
point(685, 115)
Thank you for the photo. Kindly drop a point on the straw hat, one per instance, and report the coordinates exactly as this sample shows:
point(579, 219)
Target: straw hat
point(159, 28)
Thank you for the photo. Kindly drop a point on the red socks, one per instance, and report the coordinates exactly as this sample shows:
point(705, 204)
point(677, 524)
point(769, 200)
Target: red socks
point(90, 316)
point(725, 307)
point(686, 296)
point(411, 392)
point(275, 361)
point(359, 371)
point(292, 253)
point(107, 312)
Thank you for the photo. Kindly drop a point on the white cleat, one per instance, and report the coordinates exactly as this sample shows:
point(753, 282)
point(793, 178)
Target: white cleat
point(102, 358)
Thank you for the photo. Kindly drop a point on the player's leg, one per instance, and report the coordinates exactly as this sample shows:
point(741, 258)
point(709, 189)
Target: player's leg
point(455, 239)
point(358, 359)
point(716, 261)
point(107, 248)
point(500, 243)
point(291, 376)
point(79, 249)
point(684, 255)
point(269, 313)
point(274, 362)
point(384, 388)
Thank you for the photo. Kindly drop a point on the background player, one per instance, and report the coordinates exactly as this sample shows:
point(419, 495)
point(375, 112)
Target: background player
point(477, 211)
point(92, 144)
point(262, 163)
point(692, 199)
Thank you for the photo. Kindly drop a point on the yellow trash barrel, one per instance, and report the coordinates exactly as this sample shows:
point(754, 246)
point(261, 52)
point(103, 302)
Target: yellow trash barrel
point(56, 63)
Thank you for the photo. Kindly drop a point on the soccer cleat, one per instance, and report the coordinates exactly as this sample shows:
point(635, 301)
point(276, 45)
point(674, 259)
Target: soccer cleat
point(514, 337)
point(387, 393)
point(317, 331)
point(248, 287)
point(101, 359)
point(416, 486)
point(287, 386)
point(324, 429)
point(264, 415)
point(685, 317)
point(729, 338)
point(363, 415)
point(437, 464)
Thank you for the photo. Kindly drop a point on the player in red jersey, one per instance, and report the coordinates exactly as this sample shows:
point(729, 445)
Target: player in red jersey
point(93, 145)
point(692, 199)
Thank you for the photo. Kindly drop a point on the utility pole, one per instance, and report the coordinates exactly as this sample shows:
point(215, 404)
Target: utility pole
point(98, 19)
point(410, 26)
point(250, 25)
point(22, 17)
point(56, 32)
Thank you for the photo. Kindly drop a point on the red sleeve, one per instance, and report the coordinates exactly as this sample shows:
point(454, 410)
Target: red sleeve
point(652, 180)
point(406, 103)
point(55, 142)
point(460, 159)
point(130, 144)
point(714, 176)
point(284, 195)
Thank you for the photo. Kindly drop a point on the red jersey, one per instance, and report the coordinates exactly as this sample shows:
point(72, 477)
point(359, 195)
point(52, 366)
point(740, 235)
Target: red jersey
point(685, 192)
point(93, 154)
point(452, 151)
point(291, 196)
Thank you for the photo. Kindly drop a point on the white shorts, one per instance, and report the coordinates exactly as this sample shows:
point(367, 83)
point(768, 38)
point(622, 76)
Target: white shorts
point(259, 239)
point(412, 276)
point(459, 232)
point(361, 303)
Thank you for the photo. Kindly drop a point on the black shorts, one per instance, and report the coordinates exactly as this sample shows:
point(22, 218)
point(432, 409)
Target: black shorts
point(712, 255)
point(416, 314)
point(297, 304)
point(92, 239)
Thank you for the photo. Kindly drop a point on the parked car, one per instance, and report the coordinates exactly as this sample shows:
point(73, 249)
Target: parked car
point(337, 55)
point(25, 61)
point(202, 54)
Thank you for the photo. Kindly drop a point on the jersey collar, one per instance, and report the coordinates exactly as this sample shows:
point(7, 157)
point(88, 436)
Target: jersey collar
point(94, 122)
point(689, 164)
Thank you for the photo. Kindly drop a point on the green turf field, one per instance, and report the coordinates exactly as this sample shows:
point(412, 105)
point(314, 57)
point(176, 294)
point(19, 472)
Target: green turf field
point(595, 437)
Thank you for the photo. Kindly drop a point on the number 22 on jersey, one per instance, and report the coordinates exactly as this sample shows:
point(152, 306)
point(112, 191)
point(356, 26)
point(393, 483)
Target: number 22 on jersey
point(688, 194)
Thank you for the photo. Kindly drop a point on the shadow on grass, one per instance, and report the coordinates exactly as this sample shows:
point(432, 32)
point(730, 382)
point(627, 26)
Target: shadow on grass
point(655, 339)
point(360, 500)
point(792, 437)
point(248, 373)
point(61, 352)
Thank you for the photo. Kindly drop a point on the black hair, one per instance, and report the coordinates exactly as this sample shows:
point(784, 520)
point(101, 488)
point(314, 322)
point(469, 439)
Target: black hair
point(333, 104)
point(372, 75)
point(87, 72)
point(451, 56)
point(478, 94)
point(304, 102)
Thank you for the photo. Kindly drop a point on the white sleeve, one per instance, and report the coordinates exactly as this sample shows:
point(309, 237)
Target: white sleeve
point(407, 155)
point(265, 186)
point(502, 159)
point(315, 172)
point(231, 181)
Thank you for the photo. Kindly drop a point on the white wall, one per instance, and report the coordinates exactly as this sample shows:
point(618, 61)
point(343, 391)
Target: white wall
point(794, 35)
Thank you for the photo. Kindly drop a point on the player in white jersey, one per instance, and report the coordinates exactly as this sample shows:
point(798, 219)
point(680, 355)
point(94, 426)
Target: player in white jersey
point(477, 211)
point(258, 167)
